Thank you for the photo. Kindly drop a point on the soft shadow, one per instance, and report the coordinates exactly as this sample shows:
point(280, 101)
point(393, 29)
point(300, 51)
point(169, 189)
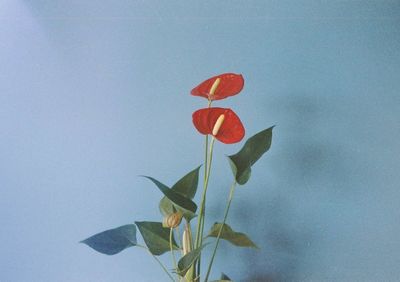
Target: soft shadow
point(304, 162)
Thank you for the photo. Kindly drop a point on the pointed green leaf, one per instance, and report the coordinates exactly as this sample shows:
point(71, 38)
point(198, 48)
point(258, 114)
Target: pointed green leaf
point(182, 203)
point(236, 238)
point(252, 150)
point(113, 241)
point(186, 186)
point(187, 260)
point(156, 237)
point(224, 278)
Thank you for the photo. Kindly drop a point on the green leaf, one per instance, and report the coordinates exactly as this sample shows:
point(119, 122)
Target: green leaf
point(182, 203)
point(186, 186)
point(251, 152)
point(236, 238)
point(224, 278)
point(113, 241)
point(156, 237)
point(187, 260)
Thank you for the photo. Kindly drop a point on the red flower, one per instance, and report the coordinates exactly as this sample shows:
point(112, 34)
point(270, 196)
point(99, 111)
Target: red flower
point(220, 86)
point(221, 123)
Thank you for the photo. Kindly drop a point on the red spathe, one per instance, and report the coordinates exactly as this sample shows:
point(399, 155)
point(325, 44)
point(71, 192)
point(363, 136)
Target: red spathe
point(230, 84)
point(231, 130)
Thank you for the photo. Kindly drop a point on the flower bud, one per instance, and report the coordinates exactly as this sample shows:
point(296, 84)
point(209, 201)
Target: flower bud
point(218, 124)
point(186, 240)
point(172, 220)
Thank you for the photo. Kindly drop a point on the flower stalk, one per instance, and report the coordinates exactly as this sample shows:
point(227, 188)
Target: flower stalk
point(158, 261)
point(231, 192)
point(200, 223)
point(171, 233)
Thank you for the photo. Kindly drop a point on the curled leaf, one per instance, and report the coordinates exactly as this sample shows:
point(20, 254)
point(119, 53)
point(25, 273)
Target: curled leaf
point(156, 237)
point(236, 238)
point(188, 260)
point(186, 186)
point(182, 203)
point(250, 153)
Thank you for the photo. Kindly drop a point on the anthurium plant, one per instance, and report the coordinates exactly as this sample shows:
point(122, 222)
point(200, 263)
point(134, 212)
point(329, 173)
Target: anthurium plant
point(181, 230)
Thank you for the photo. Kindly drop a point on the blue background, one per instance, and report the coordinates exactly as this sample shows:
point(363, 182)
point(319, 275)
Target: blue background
point(93, 94)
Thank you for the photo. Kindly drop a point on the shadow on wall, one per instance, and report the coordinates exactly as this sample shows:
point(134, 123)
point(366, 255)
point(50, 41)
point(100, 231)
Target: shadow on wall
point(302, 163)
point(280, 246)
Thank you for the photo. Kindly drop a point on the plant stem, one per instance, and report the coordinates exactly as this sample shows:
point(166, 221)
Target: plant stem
point(159, 262)
point(171, 232)
point(200, 225)
point(205, 190)
point(232, 190)
point(196, 243)
point(201, 212)
point(187, 246)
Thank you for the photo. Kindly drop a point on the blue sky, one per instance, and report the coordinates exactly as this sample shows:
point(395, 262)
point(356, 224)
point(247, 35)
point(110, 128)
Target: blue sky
point(93, 94)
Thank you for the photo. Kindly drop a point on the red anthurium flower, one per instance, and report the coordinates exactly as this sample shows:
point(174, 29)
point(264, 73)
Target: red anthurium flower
point(221, 123)
point(220, 86)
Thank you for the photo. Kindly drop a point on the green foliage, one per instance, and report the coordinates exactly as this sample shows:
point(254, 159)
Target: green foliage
point(177, 201)
point(113, 241)
point(236, 238)
point(252, 150)
point(156, 237)
point(181, 203)
point(224, 278)
point(187, 260)
point(186, 186)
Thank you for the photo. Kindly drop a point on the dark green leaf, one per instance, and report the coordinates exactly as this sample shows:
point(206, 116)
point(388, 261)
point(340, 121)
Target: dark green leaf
point(236, 238)
point(156, 237)
point(113, 241)
point(186, 186)
point(187, 260)
point(182, 203)
point(224, 278)
point(252, 150)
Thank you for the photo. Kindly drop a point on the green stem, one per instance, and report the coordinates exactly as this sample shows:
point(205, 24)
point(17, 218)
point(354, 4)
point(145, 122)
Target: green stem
point(232, 190)
point(159, 262)
point(192, 270)
point(196, 242)
point(200, 226)
point(205, 183)
point(171, 232)
point(205, 191)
